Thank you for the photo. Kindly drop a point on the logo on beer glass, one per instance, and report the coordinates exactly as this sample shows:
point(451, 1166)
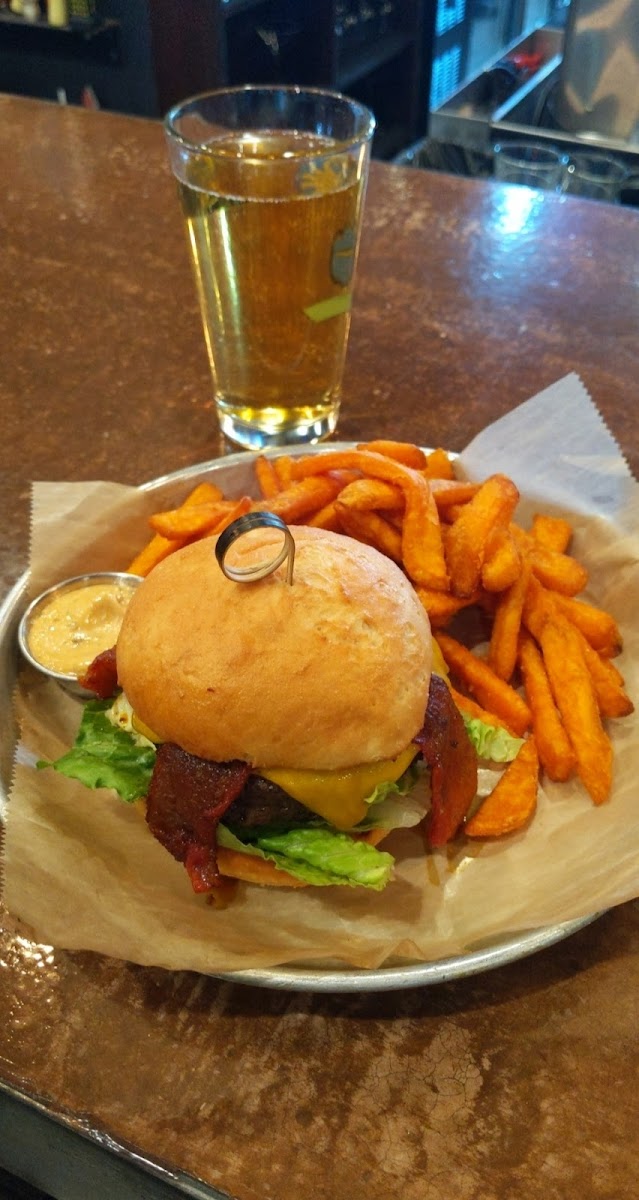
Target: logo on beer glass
point(323, 176)
point(329, 176)
point(343, 256)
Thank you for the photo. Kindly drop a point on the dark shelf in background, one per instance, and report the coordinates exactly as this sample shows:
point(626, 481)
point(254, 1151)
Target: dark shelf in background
point(354, 62)
point(230, 8)
point(142, 56)
point(92, 38)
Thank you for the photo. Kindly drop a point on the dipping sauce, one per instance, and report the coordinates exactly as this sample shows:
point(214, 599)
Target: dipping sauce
point(75, 624)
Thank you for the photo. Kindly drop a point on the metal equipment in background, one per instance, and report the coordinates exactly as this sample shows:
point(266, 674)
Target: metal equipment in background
point(572, 80)
point(598, 88)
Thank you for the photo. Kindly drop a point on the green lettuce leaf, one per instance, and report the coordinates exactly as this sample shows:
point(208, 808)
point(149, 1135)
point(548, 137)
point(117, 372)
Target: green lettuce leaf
point(104, 756)
point(322, 857)
point(490, 741)
point(399, 805)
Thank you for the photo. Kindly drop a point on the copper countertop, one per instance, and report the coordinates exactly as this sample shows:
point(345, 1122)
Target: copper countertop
point(471, 297)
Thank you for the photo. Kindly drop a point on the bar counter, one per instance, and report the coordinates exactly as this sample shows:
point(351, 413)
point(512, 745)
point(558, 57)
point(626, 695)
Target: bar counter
point(119, 1080)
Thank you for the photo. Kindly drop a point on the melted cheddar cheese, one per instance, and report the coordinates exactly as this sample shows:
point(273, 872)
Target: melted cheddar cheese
point(339, 796)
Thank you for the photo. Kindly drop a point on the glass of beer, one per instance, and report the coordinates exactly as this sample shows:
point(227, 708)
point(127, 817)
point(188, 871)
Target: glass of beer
point(271, 181)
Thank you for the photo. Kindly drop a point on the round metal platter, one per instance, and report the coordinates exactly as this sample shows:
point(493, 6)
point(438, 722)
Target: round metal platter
point(385, 979)
point(230, 473)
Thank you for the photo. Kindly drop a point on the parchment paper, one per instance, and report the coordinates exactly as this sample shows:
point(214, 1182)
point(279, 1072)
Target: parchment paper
point(82, 871)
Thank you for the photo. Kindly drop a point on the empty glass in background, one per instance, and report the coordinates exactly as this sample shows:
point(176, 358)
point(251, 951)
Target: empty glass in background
point(530, 164)
point(597, 176)
point(271, 182)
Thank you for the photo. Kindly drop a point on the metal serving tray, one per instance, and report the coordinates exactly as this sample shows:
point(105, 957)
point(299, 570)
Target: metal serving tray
point(234, 473)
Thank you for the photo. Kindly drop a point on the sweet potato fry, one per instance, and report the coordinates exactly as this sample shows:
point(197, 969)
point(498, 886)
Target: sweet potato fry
point(576, 699)
point(438, 465)
point(502, 652)
point(514, 799)
point(368, 494)
point(539, 605)
point(394, 517)
point(552, 532)
point(326, 518)
point(301, 499)
point(422, 547)
point(597, 625)
point(204, 493)
point(490, 509)
point(559, 572)
point(283, 467)
point(442, 606)
point(422, 544)
point(492, 692)
point(556, 571)
point(238, 509)
point(451, 513)
point(451, 492)
point(345, 477)
point(556, 754)
point(608, 682)
point(159, 548)
point(190, 523)
point(502, 565)
point(266, 476)
point(371, 528)
point(403, 452)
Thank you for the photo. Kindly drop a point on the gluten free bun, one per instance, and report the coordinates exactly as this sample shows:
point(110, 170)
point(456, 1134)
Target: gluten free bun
point(326, 673)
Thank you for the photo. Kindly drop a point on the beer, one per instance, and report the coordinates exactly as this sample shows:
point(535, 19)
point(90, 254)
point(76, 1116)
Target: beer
point(272, 222)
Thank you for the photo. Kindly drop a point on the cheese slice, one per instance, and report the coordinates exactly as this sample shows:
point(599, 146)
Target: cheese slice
point(140, 727)
point(439, 664)
point(339, 796)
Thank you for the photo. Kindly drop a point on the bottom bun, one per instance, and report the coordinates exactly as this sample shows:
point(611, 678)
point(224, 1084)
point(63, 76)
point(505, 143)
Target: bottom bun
point(250, 869)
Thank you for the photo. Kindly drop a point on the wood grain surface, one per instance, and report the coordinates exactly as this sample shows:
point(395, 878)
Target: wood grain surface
point(471, 296)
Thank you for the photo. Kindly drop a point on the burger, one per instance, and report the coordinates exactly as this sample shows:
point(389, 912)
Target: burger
point(275, 732)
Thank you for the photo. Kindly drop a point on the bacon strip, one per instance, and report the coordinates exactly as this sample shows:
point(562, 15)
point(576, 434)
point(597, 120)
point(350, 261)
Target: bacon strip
point(186, 800)
point(101, 676)
point(452, 759)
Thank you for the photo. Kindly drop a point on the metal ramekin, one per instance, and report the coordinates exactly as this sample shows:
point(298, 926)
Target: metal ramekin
point(69, 682)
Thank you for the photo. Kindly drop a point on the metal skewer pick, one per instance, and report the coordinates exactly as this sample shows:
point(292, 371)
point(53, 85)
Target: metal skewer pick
point(237, 529)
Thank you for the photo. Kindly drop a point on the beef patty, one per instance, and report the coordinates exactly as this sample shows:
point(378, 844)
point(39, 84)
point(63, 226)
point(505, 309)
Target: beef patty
point(262, 804)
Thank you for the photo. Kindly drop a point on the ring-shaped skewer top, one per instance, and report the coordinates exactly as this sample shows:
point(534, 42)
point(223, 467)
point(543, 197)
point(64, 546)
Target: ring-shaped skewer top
point(237, 529)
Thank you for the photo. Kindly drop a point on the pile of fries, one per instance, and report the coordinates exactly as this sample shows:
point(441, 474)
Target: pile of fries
point(548, 675)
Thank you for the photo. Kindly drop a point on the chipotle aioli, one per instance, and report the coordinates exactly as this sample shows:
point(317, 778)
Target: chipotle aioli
point(74, 626)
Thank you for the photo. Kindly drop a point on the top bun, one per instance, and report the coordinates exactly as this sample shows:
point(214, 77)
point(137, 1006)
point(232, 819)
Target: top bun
point(326, 673)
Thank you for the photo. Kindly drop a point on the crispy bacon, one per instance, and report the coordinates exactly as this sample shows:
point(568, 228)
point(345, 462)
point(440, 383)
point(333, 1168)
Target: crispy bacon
point(186, 800)
point(101, 676)
point(452, 759)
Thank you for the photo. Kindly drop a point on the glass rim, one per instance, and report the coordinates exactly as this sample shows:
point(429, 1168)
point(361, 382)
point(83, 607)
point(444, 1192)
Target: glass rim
point(531, 154)
point(599, 167)
point(364, 114)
